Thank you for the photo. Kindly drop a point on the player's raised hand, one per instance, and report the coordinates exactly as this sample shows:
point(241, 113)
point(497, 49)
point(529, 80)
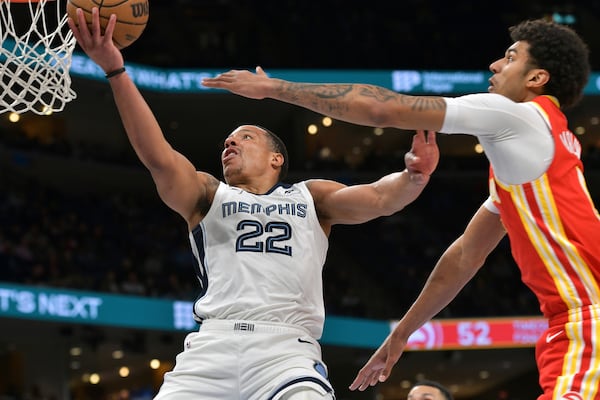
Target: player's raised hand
point(244, 83)
point(379, 366)
point(423, 157)
point(98, 45)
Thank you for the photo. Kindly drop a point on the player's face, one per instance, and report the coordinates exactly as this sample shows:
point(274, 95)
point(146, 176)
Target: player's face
point(247, 153)
point(510, 73)
point(424, 392)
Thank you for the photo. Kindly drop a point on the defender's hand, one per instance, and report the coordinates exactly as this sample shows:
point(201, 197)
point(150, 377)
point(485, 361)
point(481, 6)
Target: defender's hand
point(244, 83)
point(379, 366)
point(423, 157)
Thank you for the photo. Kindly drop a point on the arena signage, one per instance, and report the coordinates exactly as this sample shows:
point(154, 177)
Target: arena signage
point(404, 81)
point(60, 305)
point(19, 301)
point(477, 333)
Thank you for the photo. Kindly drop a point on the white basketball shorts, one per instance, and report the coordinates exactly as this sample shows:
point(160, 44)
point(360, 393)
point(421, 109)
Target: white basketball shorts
point(233, 360)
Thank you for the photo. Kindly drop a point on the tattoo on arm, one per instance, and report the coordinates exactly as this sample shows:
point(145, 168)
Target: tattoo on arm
point(323, 96)
point(416, 103)
point(314, 96)
point(424, 103)
point(326, 91)
point(380, 94)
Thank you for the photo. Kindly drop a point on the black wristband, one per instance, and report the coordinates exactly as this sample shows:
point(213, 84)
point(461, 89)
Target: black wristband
point(115, 72)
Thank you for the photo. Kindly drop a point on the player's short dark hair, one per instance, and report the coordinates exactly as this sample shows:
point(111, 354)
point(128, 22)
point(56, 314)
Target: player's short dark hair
point(560, 51)
point(279, 147)
point(443, 389)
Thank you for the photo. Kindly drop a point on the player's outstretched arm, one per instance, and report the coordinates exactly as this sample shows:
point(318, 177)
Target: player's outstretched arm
point(455, 268)
point(355, 204)
point(176, 179)
point(360, 104)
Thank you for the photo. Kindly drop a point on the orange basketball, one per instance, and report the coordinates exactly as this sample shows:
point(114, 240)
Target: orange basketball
point(132, 17)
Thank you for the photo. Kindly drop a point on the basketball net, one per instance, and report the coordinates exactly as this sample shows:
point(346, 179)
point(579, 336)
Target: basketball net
point(36, 53)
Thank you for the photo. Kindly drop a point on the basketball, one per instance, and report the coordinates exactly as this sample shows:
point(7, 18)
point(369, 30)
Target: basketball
point(132, 17)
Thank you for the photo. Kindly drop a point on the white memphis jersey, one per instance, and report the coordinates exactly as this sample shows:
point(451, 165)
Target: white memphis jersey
point(261, 257)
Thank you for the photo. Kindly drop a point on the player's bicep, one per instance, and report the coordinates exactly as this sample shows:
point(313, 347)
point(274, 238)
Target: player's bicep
point(180, 186)
point(419, 112)
point(341, 204)
point(482, 235)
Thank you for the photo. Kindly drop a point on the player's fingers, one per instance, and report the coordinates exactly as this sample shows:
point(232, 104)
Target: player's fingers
point(356, 382)
point(419, 136)
point(364, 378)
point(431, 137)
point(260, 71)
point(364, 383)
point(228, 76)
point(216, 81)
point(96, 31)
point(384, 375)
point(387, 369)
point(110, 27)
point(82, 28)
point(74, 29)
point(373, 379)
point(360, 378)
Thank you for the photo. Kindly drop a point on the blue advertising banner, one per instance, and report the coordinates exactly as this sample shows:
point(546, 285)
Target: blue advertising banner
point(53, 304)
point(45, 303)
point(404, 81)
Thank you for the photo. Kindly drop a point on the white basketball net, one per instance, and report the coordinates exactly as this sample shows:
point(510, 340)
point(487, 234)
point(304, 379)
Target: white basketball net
point(37, 47)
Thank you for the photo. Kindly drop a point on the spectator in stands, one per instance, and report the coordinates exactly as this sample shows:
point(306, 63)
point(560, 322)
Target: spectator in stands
point(429, 390)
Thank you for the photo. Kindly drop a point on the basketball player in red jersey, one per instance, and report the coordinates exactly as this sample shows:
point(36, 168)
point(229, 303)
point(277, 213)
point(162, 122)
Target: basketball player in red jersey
point(538, 194)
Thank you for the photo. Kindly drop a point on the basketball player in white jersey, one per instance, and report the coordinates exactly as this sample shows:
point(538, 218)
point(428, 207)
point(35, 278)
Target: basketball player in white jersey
point(259, 246)
point(538, 194)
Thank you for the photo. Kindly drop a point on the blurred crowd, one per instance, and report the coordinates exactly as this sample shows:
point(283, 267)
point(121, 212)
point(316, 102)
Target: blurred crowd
point(340, 34)
point(114, 244)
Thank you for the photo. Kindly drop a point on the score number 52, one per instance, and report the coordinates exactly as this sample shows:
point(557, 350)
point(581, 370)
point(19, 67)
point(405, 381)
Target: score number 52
point(475, 333)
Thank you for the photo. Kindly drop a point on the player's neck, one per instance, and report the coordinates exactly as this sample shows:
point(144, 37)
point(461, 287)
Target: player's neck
point(256, 187)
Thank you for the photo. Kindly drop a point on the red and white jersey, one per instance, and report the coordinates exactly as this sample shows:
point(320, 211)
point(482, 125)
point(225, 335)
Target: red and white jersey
point(552, 224)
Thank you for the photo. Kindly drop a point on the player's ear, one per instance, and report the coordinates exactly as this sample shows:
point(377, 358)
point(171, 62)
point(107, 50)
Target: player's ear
point(538, 78)
point(277, 159)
